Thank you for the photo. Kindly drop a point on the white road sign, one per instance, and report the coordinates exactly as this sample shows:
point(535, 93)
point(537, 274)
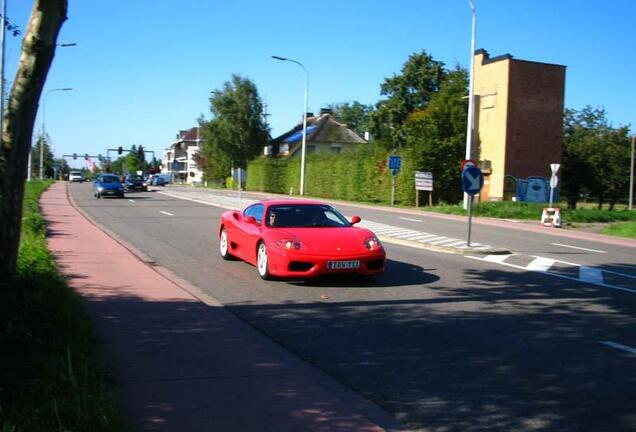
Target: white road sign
point(423, 180)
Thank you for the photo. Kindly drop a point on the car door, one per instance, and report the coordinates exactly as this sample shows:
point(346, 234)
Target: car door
point(251, 231)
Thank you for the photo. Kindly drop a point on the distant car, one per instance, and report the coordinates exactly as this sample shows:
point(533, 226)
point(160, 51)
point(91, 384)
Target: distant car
point(299, 239)
point(75, 176)
point(134, 182)
point(108, 185)
point(158, 180)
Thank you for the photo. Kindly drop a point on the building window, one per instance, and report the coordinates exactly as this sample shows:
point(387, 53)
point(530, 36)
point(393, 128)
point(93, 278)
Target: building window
point(335, 149)
point(311, 148)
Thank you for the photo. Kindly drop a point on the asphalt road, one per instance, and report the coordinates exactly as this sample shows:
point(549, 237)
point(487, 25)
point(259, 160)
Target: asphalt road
point(444, 342)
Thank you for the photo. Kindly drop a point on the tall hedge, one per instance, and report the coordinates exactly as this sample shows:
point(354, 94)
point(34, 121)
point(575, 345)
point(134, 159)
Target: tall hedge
point(360, 174)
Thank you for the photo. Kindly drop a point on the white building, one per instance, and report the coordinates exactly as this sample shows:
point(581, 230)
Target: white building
point(179, 159)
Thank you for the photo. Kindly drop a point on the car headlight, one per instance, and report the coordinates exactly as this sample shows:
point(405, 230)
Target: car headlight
point(372, 243)
point(100, 188)
point(289, 244)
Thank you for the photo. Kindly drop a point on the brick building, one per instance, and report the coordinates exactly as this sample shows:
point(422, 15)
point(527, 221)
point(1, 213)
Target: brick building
point(518, 120)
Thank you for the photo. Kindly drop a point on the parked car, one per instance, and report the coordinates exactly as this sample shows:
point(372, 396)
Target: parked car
point(75, 176)
point(135, 182)
point(108, 185)
point(159, 180)
point(299, 239)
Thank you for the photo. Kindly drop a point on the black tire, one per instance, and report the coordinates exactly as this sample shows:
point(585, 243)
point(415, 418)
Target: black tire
point(262, 264)
point(98, 195)
point(224, 245)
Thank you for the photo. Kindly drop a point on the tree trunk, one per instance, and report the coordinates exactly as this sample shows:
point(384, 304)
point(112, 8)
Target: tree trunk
point(38, 48)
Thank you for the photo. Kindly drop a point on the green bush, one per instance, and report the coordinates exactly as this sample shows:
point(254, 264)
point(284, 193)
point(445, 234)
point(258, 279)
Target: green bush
point(50, 378)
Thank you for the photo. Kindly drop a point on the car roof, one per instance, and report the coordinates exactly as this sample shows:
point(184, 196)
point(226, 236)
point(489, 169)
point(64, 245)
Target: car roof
point(278, 201)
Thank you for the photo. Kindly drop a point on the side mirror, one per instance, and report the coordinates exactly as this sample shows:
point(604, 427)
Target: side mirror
point(355, 220)
point(250, 220)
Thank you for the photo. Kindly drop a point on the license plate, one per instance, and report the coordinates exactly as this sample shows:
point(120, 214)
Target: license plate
point(341, 265)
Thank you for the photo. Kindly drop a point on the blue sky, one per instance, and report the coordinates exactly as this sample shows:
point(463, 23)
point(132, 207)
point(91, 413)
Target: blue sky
point(142, 70)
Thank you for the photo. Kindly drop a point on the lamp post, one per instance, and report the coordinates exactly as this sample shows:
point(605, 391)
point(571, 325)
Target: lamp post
point(631, 174)
point(302, 152)
point(43, 126)
point(471, 96)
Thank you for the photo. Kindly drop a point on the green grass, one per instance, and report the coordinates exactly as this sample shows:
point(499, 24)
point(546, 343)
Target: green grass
point(50, 376)
point(623, 229)
point(531, 211)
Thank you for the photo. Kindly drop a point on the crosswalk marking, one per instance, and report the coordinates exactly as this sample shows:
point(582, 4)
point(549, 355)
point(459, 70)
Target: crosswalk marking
point(540, 264)
point(420, 236)
point(586, 274)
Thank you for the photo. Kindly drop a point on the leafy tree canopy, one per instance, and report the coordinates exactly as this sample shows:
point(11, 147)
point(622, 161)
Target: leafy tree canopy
point(412, 90)
point(355, 115)
point(237, 131)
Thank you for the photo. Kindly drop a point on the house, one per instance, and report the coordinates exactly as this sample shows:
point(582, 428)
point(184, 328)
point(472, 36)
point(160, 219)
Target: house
point(518, 120)
point(324, 135)
point(179, 159)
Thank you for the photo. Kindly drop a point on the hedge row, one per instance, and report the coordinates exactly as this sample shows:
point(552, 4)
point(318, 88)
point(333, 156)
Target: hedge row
point(357, 175)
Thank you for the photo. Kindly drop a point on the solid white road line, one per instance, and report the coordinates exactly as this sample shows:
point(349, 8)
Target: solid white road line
point(410, 219)
point(166, 213)
point(619, 346)
point(131, 200)
point(576, 247)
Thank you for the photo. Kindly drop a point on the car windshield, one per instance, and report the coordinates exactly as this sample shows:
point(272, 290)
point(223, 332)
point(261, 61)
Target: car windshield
point(108, 179)
point(304, 216)
point(135, 177)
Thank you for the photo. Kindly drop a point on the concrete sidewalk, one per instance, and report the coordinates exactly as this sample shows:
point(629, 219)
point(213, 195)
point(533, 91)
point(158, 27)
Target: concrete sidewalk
point(181, 361)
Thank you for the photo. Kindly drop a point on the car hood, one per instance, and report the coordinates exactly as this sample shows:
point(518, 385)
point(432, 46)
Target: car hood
point(329, 240)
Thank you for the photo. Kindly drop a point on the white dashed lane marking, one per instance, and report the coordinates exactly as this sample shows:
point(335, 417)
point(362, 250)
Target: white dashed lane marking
point(166, 213)
point(579, 248)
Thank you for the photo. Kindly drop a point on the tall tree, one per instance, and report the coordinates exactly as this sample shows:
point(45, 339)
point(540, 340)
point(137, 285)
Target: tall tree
point(38, 49)
point(436, 135)
point(412, 90)
point(595, 157)
point(237, 131)
point(355, 115)
point(42, 141)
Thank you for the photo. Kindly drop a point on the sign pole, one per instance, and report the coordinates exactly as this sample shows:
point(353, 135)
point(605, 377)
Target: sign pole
point(417, 198)
point(470, 217)
point(430, 198)
point(392, 189)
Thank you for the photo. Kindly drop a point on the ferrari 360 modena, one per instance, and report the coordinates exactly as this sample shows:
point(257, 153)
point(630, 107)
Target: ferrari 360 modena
point(299, 239)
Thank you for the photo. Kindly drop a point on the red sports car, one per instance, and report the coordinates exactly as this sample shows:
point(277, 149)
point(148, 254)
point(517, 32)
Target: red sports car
point(299, 239)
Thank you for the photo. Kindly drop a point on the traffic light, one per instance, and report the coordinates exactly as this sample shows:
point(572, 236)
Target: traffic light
point(86, 156)
point(120, 150)
point(74, 155)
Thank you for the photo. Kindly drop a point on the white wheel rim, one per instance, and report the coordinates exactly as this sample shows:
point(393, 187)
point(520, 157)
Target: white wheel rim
point(262, 259)
point(223, 242)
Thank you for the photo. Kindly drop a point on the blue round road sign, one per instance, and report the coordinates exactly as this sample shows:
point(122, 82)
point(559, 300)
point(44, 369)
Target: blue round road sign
point(472, 180)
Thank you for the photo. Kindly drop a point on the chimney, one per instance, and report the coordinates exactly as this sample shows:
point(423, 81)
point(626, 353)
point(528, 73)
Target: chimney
point(326, 111)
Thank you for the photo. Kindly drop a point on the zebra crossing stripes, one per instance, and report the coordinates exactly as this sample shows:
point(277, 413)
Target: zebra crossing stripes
point(565, 270)
point(384, 230)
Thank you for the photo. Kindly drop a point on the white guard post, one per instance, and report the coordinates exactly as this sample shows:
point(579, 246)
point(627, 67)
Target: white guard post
point(551, 216)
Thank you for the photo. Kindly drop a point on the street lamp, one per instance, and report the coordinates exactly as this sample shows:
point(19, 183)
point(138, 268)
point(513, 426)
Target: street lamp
point(302, 152)
point(471, 96)
point(43, 127)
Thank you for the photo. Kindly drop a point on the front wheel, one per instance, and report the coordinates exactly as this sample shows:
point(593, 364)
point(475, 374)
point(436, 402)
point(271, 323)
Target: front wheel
point(263, 262)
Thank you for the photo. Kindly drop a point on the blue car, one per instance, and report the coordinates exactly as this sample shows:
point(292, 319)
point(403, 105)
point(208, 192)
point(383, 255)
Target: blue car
point(108, 185)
